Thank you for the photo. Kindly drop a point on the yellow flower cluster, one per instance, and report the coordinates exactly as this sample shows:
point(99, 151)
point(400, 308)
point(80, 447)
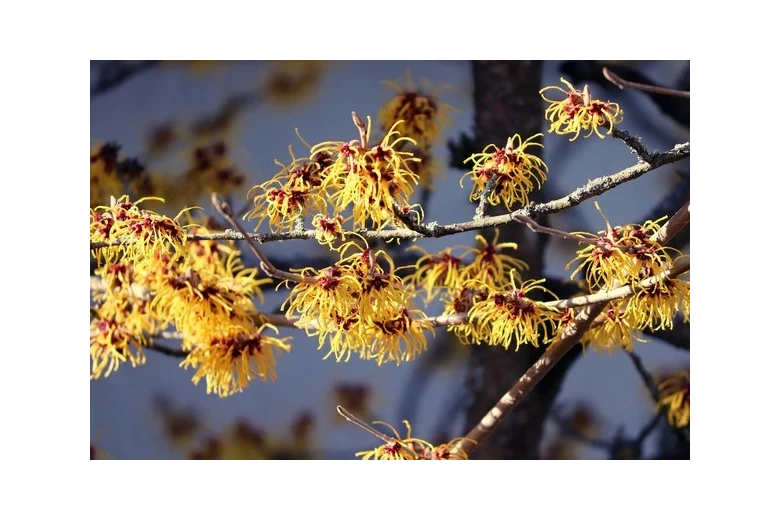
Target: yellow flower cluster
point(199, 287)
point(121, 319)
point(507, 317)
point(412, 448)
point(337, 177)
point(484, 292)
point(580, 111)
point(360, 305)
point(514, 172)
point(624, 255)
point(140, 234)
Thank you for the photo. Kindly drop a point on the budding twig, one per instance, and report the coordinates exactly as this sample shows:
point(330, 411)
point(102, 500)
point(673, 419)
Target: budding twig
point(362, 129)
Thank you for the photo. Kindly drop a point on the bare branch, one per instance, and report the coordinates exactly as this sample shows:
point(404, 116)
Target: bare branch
point(647, 379)
point(624, 83)
point(227, 213)
point(408, 219)
point(490, 185)
point(635, 144)
point(168, 351)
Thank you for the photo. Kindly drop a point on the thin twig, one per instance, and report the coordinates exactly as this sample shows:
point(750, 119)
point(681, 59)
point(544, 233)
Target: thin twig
point(361, 126)
point(624, 83)
point(490, 185)
point(538, 228)
point(635, 144)
point(591, 189)
point(649, 427)
point(168, 351)
point(373, 431)
point(647, 379)
point(227, 213)
point(408, 219)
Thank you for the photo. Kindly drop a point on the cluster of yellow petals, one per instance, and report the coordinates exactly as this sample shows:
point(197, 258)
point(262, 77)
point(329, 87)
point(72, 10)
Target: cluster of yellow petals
point(139, 234)
point(121, 320)
point(579, 111)
point(511, 317)
point(412, 448)
point(467, 275)
point(292, 193)
point(360, 306)
point(624, 255)
point(514, 172)
point(201, 288)
point(339, 178)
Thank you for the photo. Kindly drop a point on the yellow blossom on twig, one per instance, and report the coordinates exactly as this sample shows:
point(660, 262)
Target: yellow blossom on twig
point(514, 172)
point(578, 111)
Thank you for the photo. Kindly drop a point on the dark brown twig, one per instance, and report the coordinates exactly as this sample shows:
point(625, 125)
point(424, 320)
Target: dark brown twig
point(227, 213)
point(624, 83)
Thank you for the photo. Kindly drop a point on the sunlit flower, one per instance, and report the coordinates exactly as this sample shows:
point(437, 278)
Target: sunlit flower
point(675, 395)
point(140, 233)
point(655, 307)
point(234, 356)
point(121, 317)
point(422, 112)
point(460, 302)
point(327, 230)
point(578, 111)
point(336, 292)
point(613, 328)
point(507, 315)
point(370, 180)
point(401, 338)
point(203, 302)
point(514, 171)
point(408, 448)
point(490, 265)
point(112, 343)
point(280, 205)
point(621, 255)
point(437, 271)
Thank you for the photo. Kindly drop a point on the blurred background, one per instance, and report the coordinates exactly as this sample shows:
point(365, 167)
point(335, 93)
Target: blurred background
point(183, 129)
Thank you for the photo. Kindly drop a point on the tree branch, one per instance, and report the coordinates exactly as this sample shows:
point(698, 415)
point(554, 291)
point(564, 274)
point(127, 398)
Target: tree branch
point(653, 89)
point(592, 189)
point(555, 352)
